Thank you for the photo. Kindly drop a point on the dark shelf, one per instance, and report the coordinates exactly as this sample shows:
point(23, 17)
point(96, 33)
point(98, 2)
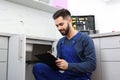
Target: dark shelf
point(31, 62)
point(84, 23)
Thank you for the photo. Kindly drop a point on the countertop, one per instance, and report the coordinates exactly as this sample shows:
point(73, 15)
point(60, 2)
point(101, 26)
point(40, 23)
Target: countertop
point(5, 34)
point(28, 37)
point(105, 34)
point(43, 38)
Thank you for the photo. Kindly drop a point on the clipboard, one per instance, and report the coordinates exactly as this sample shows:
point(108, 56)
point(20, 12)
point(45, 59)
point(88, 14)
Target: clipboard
point(48, 59)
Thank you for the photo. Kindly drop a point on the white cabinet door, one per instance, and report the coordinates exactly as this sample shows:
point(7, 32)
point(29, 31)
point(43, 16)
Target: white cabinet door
point(110, 42)
point(110, 70)
point(110, 55)
point(3, 55)
point(16, 57)
point(97, 73)
point(3, 70)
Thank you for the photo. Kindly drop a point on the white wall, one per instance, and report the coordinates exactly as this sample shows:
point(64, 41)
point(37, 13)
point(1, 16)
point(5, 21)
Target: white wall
point(19, 19)
point(107, 12)
point(16, 18)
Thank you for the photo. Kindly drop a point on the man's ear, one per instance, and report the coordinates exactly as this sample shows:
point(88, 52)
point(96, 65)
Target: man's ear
point(70, 20)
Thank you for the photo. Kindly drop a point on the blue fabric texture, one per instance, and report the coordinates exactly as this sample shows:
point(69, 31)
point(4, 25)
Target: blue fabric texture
point(69, 53)
point(42, 71)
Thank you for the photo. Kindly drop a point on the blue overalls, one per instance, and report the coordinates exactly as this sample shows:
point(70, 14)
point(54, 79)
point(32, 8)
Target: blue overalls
point(42, 71)
point(70, 55)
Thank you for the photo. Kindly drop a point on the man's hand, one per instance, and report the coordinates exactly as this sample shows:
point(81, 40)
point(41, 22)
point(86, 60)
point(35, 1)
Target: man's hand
point(62, 64)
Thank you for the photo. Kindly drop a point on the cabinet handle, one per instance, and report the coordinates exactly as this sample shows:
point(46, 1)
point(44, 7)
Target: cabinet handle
point(20, 49)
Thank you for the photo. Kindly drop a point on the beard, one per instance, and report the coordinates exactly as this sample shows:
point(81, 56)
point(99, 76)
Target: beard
point(65, 31)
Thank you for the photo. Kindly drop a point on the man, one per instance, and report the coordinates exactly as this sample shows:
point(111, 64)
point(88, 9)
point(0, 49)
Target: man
point(75, 52)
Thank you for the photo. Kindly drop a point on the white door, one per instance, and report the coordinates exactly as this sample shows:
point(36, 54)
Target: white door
point(16, 57)
point(97, 73)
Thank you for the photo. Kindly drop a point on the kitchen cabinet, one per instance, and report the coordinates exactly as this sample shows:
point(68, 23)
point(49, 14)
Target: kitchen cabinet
point(22, 51)
point(17, 55)
point(108, 56)
point(36, 4)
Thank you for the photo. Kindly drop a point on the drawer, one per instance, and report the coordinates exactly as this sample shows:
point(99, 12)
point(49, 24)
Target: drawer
point(3, 42)
point(3, 70)
point(3, 55)
point(110, 55)
point(110, 70)
point(110, 42)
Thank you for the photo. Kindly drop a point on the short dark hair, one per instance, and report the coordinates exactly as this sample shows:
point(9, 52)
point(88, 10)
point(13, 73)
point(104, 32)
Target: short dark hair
point(62, 12)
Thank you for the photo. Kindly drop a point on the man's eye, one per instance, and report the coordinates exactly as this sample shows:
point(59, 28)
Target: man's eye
point(57, 25)
point(61, 24)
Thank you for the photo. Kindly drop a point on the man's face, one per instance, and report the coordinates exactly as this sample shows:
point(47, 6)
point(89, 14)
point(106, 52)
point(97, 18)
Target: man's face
point(62, 25)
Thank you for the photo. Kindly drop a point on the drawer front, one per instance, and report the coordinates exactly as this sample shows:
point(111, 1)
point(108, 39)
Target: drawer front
point(110, 55)
point(3, 42)
point(110, 42)
point(3, 70)
point(110, 70)
point(3, 55)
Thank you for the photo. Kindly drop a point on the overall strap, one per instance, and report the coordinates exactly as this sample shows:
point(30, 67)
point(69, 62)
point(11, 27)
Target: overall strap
point(63, 40)
point(76, 37)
